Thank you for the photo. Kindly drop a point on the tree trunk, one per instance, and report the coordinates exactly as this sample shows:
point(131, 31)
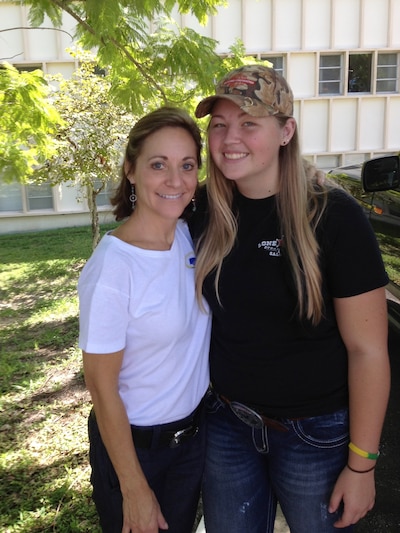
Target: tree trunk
point(94, 216)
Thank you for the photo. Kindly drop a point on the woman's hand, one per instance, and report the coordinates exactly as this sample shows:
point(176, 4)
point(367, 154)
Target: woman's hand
point(142, 513)
point(357, 492)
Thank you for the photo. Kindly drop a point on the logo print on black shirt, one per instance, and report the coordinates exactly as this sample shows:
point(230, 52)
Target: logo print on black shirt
point(272, 247)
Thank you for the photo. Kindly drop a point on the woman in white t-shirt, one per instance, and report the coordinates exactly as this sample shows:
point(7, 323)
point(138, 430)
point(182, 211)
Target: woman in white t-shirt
point(145, 340)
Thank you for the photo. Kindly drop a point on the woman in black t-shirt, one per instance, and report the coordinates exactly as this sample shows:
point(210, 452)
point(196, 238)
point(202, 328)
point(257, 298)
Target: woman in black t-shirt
point(299, 361)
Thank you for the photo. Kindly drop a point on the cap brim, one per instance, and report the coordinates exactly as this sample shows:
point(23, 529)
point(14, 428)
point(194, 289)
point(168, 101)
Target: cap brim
point(255, 108)
point(205, 106)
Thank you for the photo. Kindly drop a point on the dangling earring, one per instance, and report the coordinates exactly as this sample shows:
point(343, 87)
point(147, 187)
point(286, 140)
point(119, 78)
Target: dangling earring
point(133, 196)
point(194, 206)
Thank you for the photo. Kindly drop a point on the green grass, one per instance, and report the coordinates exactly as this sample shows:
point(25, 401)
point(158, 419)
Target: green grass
point(44, 405)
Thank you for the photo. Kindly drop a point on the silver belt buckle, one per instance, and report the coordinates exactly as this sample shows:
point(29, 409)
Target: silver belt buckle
point(182, 434)
point(247, 415)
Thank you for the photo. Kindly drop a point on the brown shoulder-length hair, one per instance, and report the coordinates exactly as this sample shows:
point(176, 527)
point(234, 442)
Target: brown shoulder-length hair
point(163, 117)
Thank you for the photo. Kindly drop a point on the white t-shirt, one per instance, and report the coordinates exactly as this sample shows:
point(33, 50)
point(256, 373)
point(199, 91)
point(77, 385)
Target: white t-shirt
point(143, 302)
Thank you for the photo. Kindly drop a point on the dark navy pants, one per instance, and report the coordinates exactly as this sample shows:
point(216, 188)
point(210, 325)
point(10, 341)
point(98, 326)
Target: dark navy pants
point(174, 474)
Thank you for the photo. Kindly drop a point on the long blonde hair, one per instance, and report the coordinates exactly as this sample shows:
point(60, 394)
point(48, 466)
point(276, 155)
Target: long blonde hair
point(300, 205)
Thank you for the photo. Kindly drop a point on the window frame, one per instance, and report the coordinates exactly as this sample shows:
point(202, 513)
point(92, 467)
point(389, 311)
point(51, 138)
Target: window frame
point(273, 59)
point(32, 198)
point(384, 67)
point(351, 68)
point(23, 193)
point(334, 68)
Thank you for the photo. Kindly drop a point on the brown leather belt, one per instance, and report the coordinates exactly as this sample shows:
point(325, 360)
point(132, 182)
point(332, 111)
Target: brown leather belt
point(251, 417)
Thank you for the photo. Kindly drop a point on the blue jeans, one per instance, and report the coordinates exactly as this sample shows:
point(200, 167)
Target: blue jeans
point(248, 470)
point(174, 474)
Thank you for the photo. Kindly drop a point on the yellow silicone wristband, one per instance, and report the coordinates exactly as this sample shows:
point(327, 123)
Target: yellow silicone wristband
point(362, 453)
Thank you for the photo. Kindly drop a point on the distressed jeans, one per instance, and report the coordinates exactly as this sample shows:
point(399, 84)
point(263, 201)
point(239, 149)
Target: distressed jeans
point(248, 470)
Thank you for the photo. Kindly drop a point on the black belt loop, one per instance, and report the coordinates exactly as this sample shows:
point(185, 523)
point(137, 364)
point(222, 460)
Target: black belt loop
point(154, 438)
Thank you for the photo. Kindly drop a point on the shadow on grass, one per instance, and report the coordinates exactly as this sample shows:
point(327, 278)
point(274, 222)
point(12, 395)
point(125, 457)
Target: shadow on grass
point(54, 335)
point(44, 465)
point(39, 283)
point(34, 408)
point(29, 352)
point(45, 480)
point(71, 388)
point(28, 488)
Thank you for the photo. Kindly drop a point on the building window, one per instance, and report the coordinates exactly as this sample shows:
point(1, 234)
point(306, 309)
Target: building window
point(39, 197)
point(103, 198)
point(10, 197)
point(359, 73)
point(277, 62)
point(387, 73)
point(330, 74)
point(28, 68)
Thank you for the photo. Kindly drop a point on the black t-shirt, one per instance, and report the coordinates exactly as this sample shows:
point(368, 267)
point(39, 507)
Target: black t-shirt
point(261, 353)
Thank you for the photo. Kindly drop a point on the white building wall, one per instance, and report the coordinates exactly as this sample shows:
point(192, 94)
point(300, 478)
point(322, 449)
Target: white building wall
point(15, 223)
point(392, 124)
point(23, 46)
point(300, 30)
point(335, 128)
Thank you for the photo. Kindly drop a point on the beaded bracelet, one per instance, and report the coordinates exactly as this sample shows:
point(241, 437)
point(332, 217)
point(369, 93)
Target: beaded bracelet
point(360, 471)
point(362, 453)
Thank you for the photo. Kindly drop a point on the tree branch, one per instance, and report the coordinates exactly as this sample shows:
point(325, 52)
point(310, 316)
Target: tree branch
point(37, 28)
point(119, 46)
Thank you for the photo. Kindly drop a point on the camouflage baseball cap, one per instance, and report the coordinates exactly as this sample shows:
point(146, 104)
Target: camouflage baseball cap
point(258, 90)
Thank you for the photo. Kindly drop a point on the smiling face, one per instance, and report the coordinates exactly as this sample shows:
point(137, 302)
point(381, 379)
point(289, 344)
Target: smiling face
point(165, 173)
point(246, 148)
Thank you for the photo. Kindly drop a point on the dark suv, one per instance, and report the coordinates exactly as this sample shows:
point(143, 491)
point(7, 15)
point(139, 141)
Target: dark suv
point(376, 186)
